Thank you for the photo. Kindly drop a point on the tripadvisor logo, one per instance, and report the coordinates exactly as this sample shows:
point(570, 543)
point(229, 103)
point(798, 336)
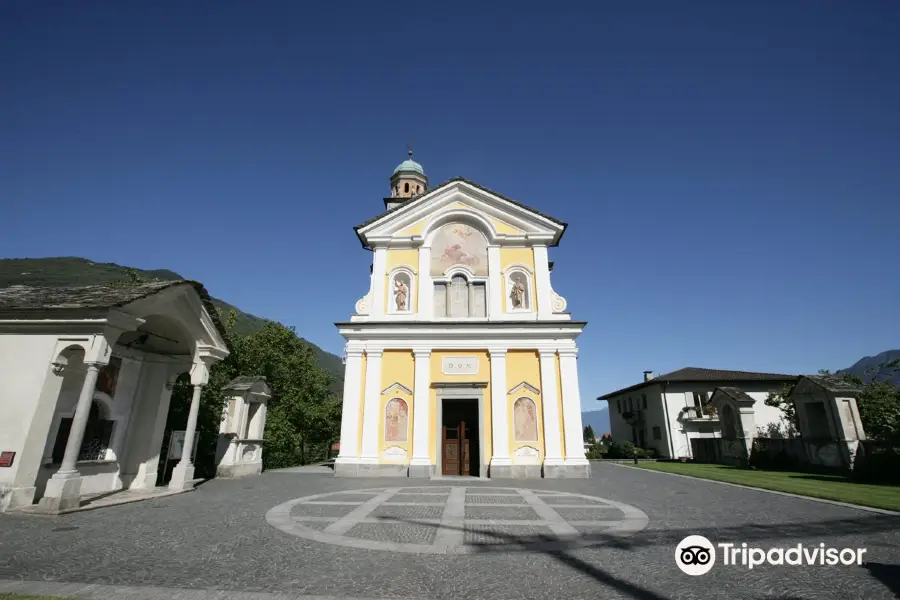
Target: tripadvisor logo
point(696, 555)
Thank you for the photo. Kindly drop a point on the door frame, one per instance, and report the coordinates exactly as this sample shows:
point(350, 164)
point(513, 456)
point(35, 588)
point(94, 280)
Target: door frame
point(460, 391)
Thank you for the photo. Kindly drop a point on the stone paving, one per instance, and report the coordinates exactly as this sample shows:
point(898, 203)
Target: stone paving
point(283, 535)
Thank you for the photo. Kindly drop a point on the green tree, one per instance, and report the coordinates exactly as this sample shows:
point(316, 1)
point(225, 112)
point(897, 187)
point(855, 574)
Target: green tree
point(589, 434)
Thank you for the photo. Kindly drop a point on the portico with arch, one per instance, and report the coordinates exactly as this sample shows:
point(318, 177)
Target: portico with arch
point(88, 376)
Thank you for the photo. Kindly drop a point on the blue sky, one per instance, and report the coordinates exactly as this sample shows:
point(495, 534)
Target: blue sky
point(730, 171)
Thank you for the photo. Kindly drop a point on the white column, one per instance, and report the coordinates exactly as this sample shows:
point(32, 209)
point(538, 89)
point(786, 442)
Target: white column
point(574, 435)
point(426, 288)
point(499, 409)
point(371, 412)
point(542, 282)
point(471, 291)
point(183, 473)
point(379, 273)
point(421, 408)
point(349, 451)
point(550, 402)
point(79, 422)
point(495, 285)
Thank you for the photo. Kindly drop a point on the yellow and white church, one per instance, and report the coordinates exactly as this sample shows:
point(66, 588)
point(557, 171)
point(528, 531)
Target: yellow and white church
point(461, 358)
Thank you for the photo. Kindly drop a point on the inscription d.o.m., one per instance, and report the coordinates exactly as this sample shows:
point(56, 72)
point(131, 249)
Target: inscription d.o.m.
point(459, 365)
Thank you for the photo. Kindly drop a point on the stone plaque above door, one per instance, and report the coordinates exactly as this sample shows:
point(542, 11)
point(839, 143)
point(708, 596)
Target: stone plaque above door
point(459, 365)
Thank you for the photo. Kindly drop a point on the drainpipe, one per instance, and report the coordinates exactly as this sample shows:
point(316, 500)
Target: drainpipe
point(669, 441)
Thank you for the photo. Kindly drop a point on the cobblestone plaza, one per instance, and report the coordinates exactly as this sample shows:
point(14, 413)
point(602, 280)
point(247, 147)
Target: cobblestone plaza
point(289, 535)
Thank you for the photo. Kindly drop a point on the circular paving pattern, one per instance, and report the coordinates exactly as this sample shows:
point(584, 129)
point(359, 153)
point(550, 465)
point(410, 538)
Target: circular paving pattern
point(457, 519)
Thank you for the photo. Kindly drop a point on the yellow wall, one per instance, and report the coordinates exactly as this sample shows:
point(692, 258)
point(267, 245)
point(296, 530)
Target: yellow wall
point(524, 365)
point(362, 404)
point(522, 256)
point(396, 367)
point(395, 258)
point(562, 436)
point(484, 374)
point(505, 228)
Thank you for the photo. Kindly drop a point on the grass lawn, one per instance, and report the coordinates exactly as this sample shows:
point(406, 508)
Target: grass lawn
point(828, 487)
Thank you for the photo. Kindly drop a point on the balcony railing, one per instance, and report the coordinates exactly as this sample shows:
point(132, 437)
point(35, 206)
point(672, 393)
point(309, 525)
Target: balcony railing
point(692, 413)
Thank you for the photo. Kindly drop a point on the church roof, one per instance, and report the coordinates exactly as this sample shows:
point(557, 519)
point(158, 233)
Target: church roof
point(833, 384)
point(244, 382)
point(697, 374)
point(445, 184)
point(23, 300)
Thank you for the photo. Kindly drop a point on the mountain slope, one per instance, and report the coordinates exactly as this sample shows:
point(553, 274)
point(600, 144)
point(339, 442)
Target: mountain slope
point(70, 271)
point(597, 419)
point(873, 367)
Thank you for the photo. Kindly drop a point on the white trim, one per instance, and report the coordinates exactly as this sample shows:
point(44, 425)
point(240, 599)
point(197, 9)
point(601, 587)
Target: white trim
point(549, 403)
point(571, 397)
point(458, 215)
point(371, 411)
point(535, 227)
point(544, 300)
point(526, 386)
point(350, 412)
point(495, 284)
point(421, 407)
point(499, 407)
point(379, 274)
point(399, 387)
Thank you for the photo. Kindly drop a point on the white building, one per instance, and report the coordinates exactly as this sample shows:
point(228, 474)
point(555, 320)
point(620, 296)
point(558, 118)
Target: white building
point(461, 356)
point(86, 375)
point(666, 412)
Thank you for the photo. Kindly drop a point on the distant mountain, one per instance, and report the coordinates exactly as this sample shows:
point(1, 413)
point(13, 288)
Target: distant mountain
point(875, 367)
point(598, 420)
point(70, 271)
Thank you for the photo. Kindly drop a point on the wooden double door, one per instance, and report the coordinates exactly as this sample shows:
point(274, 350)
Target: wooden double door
point(455, 449)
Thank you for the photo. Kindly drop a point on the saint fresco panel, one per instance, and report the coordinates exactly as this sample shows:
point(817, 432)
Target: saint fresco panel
point(396, 421)
point(459, 244)
point(525, 420)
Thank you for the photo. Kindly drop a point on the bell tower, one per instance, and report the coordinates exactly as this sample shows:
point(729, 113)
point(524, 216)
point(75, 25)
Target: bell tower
point(407, 181)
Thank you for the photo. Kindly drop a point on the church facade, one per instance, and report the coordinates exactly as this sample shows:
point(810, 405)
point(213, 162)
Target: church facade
point(461, 359)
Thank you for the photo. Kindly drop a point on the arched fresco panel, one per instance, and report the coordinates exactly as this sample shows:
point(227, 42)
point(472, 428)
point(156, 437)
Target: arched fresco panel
point(459, 244)
point(525, 420)
point(396, 421)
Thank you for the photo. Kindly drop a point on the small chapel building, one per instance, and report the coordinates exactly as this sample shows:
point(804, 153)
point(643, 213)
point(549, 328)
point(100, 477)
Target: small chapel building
point(461, 358)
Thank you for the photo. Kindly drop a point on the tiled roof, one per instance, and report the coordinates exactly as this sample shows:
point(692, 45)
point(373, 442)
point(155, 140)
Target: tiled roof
point(446, 183)
point(833, 384)
point(736, 394)
point(691, 374)
point(22, 299)
point(244, 382)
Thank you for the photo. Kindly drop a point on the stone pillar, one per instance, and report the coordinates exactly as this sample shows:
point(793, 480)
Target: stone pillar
point(183, 473)
point(371, 413)
point(495, 285)
point(379, 274)
point(501, 465)
point(576, 464)
point(420, 464)
point(426, 288)
point(348, 456)
point(553, 457)
point(544, 303)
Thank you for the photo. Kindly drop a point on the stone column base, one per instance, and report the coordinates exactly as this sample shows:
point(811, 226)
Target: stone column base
point(239, 470)
point(61, 493)
point(423, 471)
point(568, 470)
point(182, 477)
point(500, 469)
point(13, 498)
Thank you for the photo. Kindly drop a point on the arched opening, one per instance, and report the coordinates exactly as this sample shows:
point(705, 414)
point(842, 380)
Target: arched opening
point(519, 291)
point(401, 292)
point(97, 435)
point(406, 188)
point(729, 423)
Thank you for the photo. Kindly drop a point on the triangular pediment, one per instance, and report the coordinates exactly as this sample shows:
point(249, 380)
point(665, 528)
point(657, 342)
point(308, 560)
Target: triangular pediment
point(396, 388)
point(524, 387)
point(500, 219)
